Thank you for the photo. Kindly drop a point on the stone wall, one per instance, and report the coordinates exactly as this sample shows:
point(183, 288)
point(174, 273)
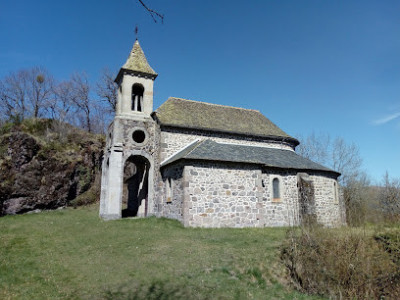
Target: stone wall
point(172, 193)
point(284, 210)
point(238, 196)
point(328, 202)
point(173, 140)
point(223, 195)
point(220, 196)
point(120, 146)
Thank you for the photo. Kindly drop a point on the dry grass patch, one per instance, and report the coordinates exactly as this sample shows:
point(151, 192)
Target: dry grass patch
point(346, 263)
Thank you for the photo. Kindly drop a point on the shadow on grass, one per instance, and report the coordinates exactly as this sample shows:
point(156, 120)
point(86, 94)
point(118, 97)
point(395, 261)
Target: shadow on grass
point(157, 289)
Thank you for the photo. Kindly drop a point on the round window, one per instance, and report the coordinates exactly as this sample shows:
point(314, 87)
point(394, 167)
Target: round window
point(139, 136)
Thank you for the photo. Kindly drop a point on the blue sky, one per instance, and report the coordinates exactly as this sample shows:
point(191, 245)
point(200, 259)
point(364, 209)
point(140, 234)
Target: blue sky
point(310, 66)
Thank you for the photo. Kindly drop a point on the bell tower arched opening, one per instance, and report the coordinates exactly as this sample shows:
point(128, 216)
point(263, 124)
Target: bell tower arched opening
point(137, 97)
point(136, 187)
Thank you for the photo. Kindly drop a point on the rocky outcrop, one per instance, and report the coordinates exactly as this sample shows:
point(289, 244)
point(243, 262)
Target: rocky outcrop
point(46, 172)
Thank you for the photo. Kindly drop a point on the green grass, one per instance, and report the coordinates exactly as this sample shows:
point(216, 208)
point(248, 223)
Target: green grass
point(72, 254)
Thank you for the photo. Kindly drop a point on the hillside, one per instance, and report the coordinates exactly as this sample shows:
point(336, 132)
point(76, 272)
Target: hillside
point(72, 254)
point(46, 165)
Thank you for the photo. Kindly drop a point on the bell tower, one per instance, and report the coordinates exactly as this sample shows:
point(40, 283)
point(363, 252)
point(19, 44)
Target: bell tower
point(135, 86)
point(127, 184)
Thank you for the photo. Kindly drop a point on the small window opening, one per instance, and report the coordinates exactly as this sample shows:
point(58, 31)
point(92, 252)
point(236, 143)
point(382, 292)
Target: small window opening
point(335, 193)
point(275, 189)
point(139, 136)
point(169, 190)
point(137, 97)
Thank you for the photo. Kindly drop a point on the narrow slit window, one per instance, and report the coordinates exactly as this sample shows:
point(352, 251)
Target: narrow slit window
point(335, 193)
point(169, 190)
point(275, 189)
point(137, 97)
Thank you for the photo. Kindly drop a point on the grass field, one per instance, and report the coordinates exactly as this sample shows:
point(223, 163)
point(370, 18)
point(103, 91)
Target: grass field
point(72, 254)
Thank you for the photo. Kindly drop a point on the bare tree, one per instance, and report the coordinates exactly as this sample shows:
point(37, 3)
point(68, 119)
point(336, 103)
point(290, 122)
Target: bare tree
point(39, 90)
point(334, 153)
point(5, 108)
point(107, 90)
point(61, 104)
point(13, 94)
point(100, 118)
point(25, 93)
point(315, 147)
point(390, 196)
point(344, 158)
point(73, 103)
point(81, 99)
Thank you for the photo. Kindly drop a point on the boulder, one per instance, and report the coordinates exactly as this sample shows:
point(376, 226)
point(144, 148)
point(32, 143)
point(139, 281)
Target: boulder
point(39, 174)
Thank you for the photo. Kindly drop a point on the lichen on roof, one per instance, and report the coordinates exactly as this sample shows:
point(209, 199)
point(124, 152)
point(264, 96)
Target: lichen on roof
point(182, 113)
point(137, 61)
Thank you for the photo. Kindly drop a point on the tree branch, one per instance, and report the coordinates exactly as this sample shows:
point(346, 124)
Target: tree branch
point(154, 14)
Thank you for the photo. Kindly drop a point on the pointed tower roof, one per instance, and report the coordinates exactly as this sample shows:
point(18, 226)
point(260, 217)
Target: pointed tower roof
point(137, 62)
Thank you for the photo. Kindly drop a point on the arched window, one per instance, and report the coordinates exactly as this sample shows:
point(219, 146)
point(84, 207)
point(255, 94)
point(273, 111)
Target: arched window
point(137, 97)
point(275, 189)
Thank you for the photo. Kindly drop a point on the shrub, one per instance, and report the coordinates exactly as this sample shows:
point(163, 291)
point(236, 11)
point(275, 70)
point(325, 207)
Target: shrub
point(90, 196)
point(6, 128)
point(346, 263)
point(36, 127)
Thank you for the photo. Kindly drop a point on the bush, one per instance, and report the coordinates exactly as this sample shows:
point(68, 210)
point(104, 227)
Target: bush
point(342, 263)
point(91, 195)
point(6, 128)
point(36, 127)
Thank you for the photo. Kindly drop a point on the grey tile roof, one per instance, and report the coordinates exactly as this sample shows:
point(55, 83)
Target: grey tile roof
point(189, 114)
point(209, 150)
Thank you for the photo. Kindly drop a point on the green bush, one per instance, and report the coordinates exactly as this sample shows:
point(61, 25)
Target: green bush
point(6, 128)
point(91, 195)
point(36, 127)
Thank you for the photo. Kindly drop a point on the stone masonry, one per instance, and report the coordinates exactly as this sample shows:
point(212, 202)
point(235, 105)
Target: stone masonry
point(207, 165)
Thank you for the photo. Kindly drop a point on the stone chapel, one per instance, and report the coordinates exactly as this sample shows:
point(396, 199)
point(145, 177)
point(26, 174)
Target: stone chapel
point(206, 165)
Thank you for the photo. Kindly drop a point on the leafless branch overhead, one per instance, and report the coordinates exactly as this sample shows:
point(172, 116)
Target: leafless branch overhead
point(154, 14)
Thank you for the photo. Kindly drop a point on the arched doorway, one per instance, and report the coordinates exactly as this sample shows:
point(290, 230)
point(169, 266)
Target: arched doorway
point(136, 187)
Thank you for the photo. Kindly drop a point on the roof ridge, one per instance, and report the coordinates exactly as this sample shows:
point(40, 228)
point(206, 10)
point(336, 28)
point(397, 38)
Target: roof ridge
point(213, 104)
point(198, 142)
point(252, 146)
point(192, 143)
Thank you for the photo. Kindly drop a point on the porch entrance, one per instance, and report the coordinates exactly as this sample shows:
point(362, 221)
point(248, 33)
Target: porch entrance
point(136, 187)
